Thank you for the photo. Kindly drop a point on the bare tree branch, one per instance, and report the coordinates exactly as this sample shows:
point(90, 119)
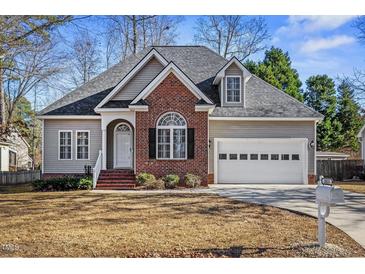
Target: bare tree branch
point(232, 35)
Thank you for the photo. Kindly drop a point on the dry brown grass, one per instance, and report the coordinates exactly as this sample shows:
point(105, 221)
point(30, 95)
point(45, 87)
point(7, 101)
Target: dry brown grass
point(87, 224)
point(358, 187)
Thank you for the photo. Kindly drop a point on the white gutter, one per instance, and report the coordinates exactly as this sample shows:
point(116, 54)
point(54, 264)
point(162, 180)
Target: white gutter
point(263, 119)
point(69, 117)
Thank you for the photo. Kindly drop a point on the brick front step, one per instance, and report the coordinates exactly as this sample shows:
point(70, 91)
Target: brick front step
point(116, 179)
point(115, 186)
point(123, 171)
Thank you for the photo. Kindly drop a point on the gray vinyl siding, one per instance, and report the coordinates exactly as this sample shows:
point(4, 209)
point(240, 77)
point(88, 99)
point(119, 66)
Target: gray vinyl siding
point(232, 70)
point(139, 81)
point(51, 127)
point(264, 129)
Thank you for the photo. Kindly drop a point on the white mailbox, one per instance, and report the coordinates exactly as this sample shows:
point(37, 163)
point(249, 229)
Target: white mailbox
point(329, 195)
point(326, 196)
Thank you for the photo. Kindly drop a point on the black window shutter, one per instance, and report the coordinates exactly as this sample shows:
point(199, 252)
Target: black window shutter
point(191, 143)
point(152, 143)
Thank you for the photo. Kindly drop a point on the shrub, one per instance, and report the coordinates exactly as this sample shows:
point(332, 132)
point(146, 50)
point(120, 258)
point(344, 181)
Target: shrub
point(362, 176)
point(192, 180)
point(86, 183)
point(144, 177)
point(63, 184)
point(171, 180)
point(156, 184)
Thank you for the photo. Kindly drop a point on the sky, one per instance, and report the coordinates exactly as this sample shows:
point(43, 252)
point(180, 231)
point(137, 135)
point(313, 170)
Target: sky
point(316, 44)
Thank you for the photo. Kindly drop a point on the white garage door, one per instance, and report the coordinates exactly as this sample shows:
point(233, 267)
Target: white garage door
point(261, 161)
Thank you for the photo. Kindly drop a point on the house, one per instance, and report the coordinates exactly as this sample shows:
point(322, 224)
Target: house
point(329, 155)
point(14, 149)
point(361, 137)
point(14, 152)
point(180, 109)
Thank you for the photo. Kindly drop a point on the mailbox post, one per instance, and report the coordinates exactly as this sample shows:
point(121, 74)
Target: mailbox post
point(326, 196)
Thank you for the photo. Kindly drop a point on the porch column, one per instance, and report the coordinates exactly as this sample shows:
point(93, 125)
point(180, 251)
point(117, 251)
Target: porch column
point(103, 144)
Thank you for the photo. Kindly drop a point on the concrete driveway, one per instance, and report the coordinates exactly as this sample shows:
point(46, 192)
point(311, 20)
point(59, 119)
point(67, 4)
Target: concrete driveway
point(349, 217)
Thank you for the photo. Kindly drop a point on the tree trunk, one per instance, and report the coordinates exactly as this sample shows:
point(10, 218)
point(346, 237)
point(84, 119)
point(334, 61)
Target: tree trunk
point(219, 41)
point(135, 36)
point(2, 103)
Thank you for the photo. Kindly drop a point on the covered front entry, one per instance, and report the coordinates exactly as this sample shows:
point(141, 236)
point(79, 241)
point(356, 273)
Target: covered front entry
point(265, 160)
point(123, 146)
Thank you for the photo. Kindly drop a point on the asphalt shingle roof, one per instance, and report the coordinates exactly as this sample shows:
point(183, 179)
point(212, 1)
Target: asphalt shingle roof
point(117, 104)
point(200, 64)
point(264, 100)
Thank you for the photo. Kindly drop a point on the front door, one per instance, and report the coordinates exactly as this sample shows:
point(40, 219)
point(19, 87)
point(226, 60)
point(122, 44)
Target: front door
point(123, 152)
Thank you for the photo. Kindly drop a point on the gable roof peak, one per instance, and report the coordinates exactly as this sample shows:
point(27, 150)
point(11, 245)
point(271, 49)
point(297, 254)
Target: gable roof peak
point(220, 74)
point(180, 74)
point(153, 53)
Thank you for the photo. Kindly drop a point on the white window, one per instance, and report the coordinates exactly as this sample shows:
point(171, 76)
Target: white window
point(82, 144)
point(65, 145)
point(171, 137)
point(12, 159)
point(233, 89)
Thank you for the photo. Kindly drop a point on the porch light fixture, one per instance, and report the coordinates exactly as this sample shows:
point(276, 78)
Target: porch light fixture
point(312, 144)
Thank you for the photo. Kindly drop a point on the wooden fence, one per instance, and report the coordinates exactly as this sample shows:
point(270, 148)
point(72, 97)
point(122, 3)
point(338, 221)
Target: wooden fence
point(19, 177)
point(340, 169)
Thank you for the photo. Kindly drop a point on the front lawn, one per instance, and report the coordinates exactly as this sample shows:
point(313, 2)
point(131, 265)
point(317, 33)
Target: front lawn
point(16, 188)
point(89, 224)
point(358, 187)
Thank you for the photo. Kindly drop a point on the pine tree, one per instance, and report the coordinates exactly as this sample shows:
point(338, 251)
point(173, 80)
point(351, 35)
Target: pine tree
point(276, 69)
point(321, 96)
point(348, 114)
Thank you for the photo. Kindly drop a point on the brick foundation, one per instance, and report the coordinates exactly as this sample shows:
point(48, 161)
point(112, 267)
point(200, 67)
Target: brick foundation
point(312, 179)
point(172, 96)
point(46, 176)
point(210, 178)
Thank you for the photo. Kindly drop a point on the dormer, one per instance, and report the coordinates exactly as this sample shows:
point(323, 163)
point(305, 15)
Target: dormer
point(231, 81)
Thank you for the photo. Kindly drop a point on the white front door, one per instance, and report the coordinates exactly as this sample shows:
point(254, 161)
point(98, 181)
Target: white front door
point(123, 152)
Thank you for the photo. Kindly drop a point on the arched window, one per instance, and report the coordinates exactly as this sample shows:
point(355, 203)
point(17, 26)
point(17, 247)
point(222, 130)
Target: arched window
point(123, 128)
point(171, 136)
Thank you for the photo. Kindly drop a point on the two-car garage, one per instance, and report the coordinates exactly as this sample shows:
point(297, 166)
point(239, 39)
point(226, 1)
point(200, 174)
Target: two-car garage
point(260, 160)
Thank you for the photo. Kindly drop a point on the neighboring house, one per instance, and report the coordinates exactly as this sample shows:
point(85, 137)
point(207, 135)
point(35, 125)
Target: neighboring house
point(329, 155)
point(13, 147)
point(14, 153)
point(361, 137)
point(182, 109)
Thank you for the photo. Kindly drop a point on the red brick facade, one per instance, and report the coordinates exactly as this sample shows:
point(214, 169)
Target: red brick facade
point(172, 95)
point(312, 179)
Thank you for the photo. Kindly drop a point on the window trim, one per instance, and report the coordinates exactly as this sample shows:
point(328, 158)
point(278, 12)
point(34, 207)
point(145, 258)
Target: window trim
point(257, 154)
point(59, 144)
point(226, 89)
point(88, 146)
point(271, 158)
point(16, 157)
point(267, 154)
point(282, 157)
point(171, 128)
point(298, 154)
